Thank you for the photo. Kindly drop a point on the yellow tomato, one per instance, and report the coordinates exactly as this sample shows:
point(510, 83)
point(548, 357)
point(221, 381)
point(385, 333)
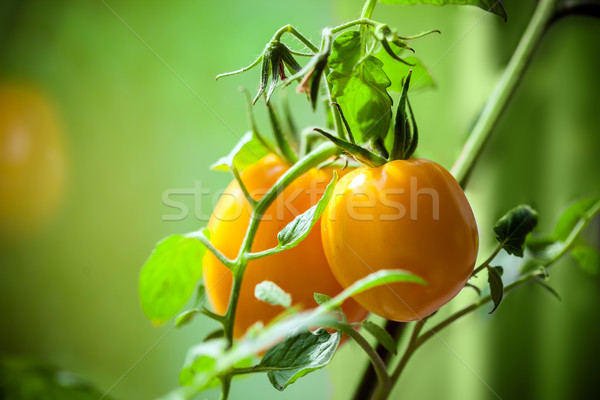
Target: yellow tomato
point(31, 160)
point(300, 271)
point(409, 215)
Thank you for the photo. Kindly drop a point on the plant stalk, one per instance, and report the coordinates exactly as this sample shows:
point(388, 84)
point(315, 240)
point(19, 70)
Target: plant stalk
point(504, 90)
point(311, 160)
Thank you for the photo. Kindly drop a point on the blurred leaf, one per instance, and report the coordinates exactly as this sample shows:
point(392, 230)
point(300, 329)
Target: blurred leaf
point(548, 288)
point(496, 286)
point(300, 227)
point(269, 292)
point(321, 298)
point(169, 277)
point(28, 379)
point(378, 278)
point(200, 367)
point(512, 229)
point(577, 215)
point(493, 6)
point(359, 85)
point(397, 71)
point(588, 259)
point(186, 317)
point(216, 334)
point(382, 336)
point(245, 153)
point(298, 355)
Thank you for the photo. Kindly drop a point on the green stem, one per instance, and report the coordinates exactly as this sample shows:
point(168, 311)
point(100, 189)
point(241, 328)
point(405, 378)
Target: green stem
point(478, 304)
point(311, 160)
point(238, 178)
point(201, 237)
point(285, 150)
point(360, 21)
point(368, 8)
point(376, 361)
point(504, 90)
point(410, 349)
point(487, 262)
point(291, 30)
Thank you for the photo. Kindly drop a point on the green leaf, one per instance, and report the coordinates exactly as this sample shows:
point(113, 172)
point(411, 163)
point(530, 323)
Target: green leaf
point(575, 217)
point(201, 364)
point(269, 292)
point(382, 336)
point(496, 286)
point(217, 333)
point(493, 6)
point(512, 229)
point(24, 378)
point(588, 259)
point(359, 84)
point(298, 355)
point(245, 153)
point(321, 298)
point(186, 317)
point(300, 227)
point(378, 278)
point(169, 277)
point(397, 71)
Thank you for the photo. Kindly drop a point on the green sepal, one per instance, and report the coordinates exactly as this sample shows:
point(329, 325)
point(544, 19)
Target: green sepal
point(361, 154)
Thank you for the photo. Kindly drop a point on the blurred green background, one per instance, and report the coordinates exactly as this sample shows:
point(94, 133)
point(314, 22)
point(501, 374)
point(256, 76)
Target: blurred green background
point(133, 85)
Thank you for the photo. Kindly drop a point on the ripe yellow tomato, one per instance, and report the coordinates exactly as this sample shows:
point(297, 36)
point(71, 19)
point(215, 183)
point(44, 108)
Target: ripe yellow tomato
point(300, 271)
point(406, 214)
point(32, 167)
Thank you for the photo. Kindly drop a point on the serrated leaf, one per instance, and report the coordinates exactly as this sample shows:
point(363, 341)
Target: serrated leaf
point(300, 227)
point(588, 259)
point(382, 336)
point(397, 71)
point(493, 6)
point(169, 277)
point(360, 86)
point(512, 229)
point(577, 215)
point(298, 355)
point(496, 286)
point(246, 152)
point(269, 292)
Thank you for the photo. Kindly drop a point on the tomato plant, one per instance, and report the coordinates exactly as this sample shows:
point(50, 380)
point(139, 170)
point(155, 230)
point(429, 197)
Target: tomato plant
point(300, 271)
point(397, 232)
point(378, 218)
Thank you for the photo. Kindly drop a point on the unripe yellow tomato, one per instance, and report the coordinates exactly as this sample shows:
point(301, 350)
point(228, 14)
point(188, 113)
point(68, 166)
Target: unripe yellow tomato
point(406, 214)
point(32, 160)
point(300, 271)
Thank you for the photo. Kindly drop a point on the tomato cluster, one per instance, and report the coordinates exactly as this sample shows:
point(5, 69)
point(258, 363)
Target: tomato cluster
point(406, 214)
point(300, 271)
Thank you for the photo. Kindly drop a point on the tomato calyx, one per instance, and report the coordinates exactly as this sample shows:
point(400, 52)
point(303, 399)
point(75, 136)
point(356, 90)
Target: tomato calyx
point(405, 140)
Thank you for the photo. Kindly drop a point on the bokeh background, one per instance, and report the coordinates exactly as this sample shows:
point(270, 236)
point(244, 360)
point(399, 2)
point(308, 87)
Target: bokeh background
point(132, 87)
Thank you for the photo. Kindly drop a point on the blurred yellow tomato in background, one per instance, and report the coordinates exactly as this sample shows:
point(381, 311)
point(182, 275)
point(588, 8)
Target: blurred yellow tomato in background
point(32, 160)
